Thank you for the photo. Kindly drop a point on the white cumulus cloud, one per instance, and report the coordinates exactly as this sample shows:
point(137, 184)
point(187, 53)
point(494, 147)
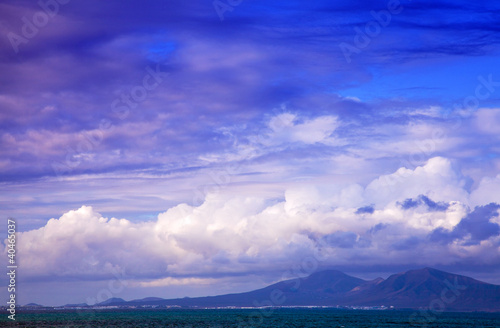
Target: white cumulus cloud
point(231, 233)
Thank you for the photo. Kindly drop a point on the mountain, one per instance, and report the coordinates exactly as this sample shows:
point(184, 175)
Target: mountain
point(316, 289)
point(112, 301)
point(148, 299)
point(33, 305)
point(424, 288)
point(429, 288)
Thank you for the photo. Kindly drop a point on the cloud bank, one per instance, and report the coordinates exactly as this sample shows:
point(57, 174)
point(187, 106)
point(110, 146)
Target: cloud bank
point(413, 217)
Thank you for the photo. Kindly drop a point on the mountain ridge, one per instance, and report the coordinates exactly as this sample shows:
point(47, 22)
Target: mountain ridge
point(412, 289)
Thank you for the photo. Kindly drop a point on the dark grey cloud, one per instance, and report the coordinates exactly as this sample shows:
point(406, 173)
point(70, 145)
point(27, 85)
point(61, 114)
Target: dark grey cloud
point(369, 209)
point(341, 239)
point(423, 200)
point(409, 243)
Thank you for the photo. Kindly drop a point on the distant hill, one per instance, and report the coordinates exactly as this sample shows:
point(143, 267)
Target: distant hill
point(33, 305)
point(148, 299)
point(112, 301)
point(422, 288)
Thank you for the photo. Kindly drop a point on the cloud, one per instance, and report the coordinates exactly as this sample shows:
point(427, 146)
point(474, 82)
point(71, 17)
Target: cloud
point(83, 243)
point(283, 133)
point(437, 179)
point(487, 120)
point(250, 64)
point(476, 227)
point(488, 191)
point(365, 210)
point(341, 239)
point(286, 128)
point(233, 234)
point(423, 200)
point(169, 281)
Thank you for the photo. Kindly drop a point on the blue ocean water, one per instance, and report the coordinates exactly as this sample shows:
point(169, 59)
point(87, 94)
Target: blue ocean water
point(265, 318)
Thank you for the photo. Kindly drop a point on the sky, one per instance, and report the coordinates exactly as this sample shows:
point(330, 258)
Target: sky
point(191, 148)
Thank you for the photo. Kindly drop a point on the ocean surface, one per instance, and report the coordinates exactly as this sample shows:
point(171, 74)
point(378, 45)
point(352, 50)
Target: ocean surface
point(265, 318)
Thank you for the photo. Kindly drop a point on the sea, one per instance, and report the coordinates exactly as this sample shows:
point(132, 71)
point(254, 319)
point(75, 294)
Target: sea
point(246, 318)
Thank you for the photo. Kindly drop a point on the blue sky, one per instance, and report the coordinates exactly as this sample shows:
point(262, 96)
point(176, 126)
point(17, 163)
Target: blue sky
point(194, 152)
